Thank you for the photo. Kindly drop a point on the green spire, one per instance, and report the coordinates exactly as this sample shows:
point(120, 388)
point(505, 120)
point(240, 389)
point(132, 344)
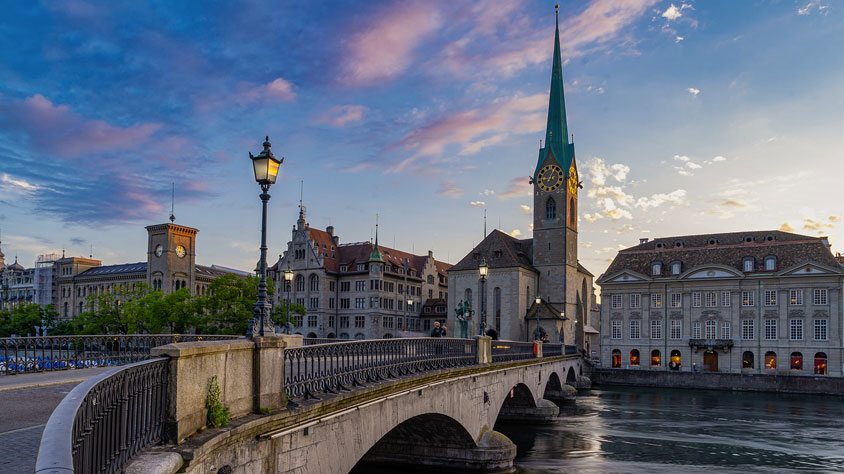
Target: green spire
point(376, 255)
point(556, 131)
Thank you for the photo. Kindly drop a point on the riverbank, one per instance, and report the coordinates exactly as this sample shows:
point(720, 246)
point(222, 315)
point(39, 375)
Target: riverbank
point(821, 385)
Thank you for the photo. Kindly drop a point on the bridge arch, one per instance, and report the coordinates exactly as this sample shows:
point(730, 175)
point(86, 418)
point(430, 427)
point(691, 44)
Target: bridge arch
point(552, 386)
point(571, 378)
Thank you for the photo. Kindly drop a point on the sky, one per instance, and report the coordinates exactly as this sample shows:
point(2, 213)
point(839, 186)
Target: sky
point(688, 117)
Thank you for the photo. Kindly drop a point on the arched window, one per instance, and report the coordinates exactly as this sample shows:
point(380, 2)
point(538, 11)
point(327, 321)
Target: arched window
point(634, 357)
point(675, 360)
point(820, 363)
point(616, 359)
point(387, 336)
point(288, 285)
point(656, 358)
point(572, 212)
point(551, 208)
point(300, 283)
point(360, 336)
point(467, 297)
point(771, 360)
point(796, 361)
point(66, 309)
point(747, 360)
point(770, 263)
point(656, 268)
point(496, 307)
point(675, 268)
point(80, 307)
point(314, 283)
point(430, 279)
point(344, 335)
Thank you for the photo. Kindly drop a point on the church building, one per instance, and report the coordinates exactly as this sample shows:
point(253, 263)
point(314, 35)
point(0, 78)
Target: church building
point(539, 279)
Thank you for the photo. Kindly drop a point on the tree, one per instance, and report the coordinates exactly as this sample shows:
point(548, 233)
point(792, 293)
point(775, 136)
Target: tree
point(280, 313)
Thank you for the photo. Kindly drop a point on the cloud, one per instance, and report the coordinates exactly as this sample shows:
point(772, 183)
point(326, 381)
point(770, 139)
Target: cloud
point(820, 225)
point(625, 228)
point(785, 227)
point(719, 158)
point(599, 171)
point(693, 91)
point(515, 233)
point(677, 197)
point(672, 13)
point(383, 48)
point(340, 115)
point(450, 189)
point(477, 203)
point(677, 39)
point(525, 209)
point(687, 165)
point(488, 192)
point(276, 90)
point(473, 129)
point(59, 130)
point(517, 187)
point(590, 218)
point(834, 218)
point(813, 4)
point(733, 203)
point(16, 185)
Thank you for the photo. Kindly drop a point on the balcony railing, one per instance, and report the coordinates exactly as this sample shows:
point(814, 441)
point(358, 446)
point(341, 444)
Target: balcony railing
point(711, 343)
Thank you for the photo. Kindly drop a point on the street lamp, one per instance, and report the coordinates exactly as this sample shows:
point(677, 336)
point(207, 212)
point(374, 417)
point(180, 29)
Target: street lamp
point(266, 166)
point(483, 270)
point(536, 334)
point(288, 282)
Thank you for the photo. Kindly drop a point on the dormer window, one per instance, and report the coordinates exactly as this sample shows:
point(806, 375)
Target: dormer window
point(675, 268)
point(747, 264)
point(659, 245)
point(712, 241)
point(656, 268)
point(678, 243)
point(498, 253)
point(361, 267)
point(770, 263)
point(748, 239)
point(344, 268)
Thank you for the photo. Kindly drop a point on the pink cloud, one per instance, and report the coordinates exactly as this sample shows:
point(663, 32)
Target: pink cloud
point(517, 187)
point(474, 129)
point(58, 129)
point(340, 115)
point(276, 90)
point(384, 48)
point(450, 189)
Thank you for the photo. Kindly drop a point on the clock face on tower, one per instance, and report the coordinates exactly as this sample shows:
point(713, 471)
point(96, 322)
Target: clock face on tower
point(573, 181)
point(550, 178)
point(180, 251)
point(159, 250)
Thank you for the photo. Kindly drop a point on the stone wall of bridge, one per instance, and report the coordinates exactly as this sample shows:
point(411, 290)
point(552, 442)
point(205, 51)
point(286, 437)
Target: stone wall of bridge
point(451, 412)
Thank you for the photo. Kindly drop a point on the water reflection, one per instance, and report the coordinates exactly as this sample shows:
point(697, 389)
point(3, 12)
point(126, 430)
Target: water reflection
point(653, 430)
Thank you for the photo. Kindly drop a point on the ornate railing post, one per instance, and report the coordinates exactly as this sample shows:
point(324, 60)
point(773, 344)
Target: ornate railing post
point(484, 349)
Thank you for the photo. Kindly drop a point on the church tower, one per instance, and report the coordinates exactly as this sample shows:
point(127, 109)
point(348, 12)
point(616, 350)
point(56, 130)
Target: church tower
point(555, 188)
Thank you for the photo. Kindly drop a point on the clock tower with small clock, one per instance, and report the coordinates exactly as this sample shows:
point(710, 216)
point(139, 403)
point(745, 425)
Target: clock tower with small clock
point(171, 257)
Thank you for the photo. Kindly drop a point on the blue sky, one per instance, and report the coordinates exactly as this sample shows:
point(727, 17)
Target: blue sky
point(689, 117)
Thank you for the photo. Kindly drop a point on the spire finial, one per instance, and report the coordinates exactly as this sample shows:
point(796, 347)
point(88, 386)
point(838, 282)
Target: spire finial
point(301, 196)
point(173, 202)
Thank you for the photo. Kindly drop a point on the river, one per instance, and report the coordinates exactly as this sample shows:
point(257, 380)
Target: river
point(642, 430)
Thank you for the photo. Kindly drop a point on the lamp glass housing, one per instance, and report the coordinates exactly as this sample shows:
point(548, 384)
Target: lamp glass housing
point(483, 269)
point(288, 275)
point(538, 300)
point(266, 168)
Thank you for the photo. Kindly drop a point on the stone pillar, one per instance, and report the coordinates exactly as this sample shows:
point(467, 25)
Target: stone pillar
point(537, 349)
point(565, 394)
point(268, 374)
point(484, 349)
point(494, 453)
point(545, 412)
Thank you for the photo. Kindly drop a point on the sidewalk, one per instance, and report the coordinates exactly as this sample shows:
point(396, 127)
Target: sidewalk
point(45, 379)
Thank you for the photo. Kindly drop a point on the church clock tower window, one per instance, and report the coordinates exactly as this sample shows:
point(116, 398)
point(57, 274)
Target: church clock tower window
point(551, 209)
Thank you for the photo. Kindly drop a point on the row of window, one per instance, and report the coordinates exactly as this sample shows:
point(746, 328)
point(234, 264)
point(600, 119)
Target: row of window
point(748, 330)
point(360, 285)
point(748, 264)
point(711, 299)
point(747, 362)
point(387, 322)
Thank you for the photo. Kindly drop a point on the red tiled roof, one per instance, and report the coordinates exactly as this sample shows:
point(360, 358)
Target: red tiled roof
point(326, 248)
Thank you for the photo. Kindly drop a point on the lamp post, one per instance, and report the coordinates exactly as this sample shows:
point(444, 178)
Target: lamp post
point(536, 334)
point(266, 166)
point(483, 269)
point(407, 296)
point(288, 281)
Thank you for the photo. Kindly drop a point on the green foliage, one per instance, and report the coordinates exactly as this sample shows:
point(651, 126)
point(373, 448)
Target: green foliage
point(281, 313)
point(24, 320)
point(218, 415)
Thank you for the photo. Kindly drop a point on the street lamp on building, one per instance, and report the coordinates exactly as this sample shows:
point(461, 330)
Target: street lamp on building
point(266, 166)
point(288, 281)
point(536, 334)
point(483, 270)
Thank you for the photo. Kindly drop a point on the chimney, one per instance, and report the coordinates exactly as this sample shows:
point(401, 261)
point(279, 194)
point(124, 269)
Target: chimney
point(330, 230)
point(643, 240)
point(430, 254)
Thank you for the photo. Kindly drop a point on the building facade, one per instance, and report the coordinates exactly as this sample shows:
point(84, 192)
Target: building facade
point(534, 286)
point(748, 302)
point(357, 290)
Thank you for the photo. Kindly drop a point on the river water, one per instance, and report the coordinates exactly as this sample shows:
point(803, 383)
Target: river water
point(641, 430)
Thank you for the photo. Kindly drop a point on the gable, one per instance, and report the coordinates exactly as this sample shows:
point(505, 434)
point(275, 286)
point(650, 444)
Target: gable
point(714, 271)
point(624, 277)
point(809, 268)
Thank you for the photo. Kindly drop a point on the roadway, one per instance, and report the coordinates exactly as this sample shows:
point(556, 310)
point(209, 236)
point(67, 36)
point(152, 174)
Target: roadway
point(28, 401)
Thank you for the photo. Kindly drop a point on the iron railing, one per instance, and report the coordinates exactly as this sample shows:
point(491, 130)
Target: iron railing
point(551, 350)
point(571, 350)
point(309, 341)
point(105, 420)
point(511, 350)
point(331, 368)
point(48, 353)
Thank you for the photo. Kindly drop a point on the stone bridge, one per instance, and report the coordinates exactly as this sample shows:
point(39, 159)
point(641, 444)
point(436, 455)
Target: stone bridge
point(440, 418)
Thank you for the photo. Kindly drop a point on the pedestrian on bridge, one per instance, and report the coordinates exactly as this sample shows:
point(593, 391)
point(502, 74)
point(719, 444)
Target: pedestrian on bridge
point(437, 331)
